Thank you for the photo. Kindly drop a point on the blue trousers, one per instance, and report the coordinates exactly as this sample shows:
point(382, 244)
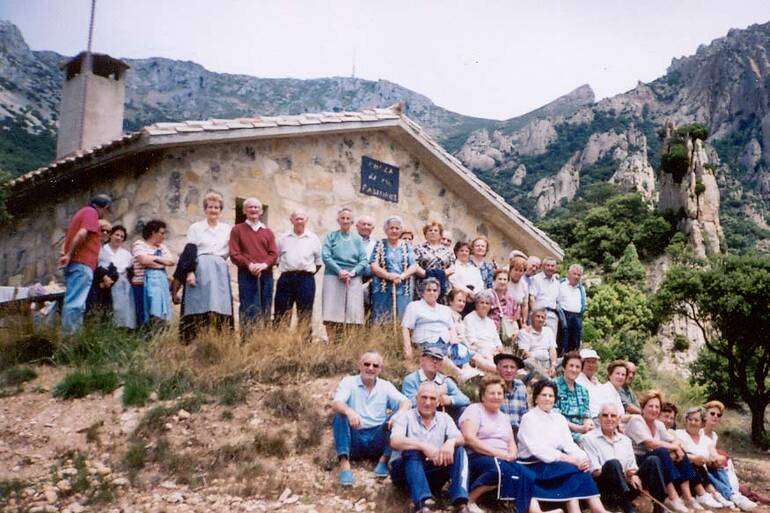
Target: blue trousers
point(360, 444)
point(255, 295)
point(673, 471)
point(294, 287)
point(719, 479)
point(422, 478)
point(77, 280)
point(138, 291)
point(572, 332)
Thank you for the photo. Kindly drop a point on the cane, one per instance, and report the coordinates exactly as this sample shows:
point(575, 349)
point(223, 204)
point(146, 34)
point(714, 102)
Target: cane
point(393, 312)
point(345, 314)
point(656, 501)
point(259, 291)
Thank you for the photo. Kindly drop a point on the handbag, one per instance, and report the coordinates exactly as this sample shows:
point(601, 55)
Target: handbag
point(508, 330)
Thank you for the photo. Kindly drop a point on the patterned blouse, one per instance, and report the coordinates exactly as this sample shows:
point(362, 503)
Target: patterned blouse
point(433, 257)
point(573, 404)
point(487, 272)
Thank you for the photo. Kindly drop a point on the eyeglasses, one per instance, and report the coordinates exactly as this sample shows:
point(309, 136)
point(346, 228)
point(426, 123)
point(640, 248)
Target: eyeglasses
point(105, 231)
point(610, 415)
point(372, 365)
point(715, 414)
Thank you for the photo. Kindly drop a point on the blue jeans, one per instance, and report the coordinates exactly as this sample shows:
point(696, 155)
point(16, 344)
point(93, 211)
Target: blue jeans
point(255, 295)
point(294, 287)
point(673, 471)
point(719, 479)
point(359, 444)
point(138, 291)
point(77, 280)
point(572, 332)
point(423, 478)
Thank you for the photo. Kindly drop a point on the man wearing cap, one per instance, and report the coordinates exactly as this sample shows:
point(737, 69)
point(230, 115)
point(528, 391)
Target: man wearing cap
point(450, 396)
point(79, 257)
point(598, 392)
point(515, 394)
point(428, 452)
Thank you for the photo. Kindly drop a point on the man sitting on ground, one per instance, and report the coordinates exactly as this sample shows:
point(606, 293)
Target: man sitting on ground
point(538, 342)
point(450, 396)
point(613, 465)
point(429, 452)
point(361, 422)
point(627, 396)
point(515, 394)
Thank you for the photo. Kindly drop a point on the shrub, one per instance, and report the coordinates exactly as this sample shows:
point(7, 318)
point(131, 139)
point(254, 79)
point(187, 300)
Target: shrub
point(700, 187)
point(26, 349)
point(675, 161)
point(681, 343)
point(99, 343)
point(136, 456)
point(287, 403)
point(137, 387)
point(270, 444)
point(15, 376)
point(80, 383)
point(628, 268)
point(694, 130)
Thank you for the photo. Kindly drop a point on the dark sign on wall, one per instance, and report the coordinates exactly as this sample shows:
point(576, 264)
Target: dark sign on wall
point(379, 179)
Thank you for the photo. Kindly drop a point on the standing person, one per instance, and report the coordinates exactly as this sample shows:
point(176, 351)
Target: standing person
point(614, 466)
point(79, 257)
point(505, 308)
point(364, 228)
point(99, 300)
point(392, 264)
point(446, 241)
point(515, 391)
point(154, 257)
point(299, 259)
point(533, 267)
point(518, 288)
point(344, 255)
point(253, 250)
point(360, 425)
point(544, 291)
point(538, 343)
point(466, 276)
point(428, 452)
point(450, 398)
point(123, 306)
point(207, 298)
point(479, 250)
point(572, 398)
point(571, 303)
point(434, 258)
point(627, 396)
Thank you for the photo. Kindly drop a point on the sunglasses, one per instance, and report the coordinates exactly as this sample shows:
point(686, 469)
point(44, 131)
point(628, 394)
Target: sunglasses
point(715, 414)
point(610, 415)
point(372, 365)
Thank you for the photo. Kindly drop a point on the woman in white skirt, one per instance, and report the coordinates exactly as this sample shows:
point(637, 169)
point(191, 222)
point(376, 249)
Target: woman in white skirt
point(207, 298)
point(123, 308)
point(344, 256)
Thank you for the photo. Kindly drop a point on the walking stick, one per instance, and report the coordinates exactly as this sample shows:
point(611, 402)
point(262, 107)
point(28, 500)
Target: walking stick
point(656, 501)
point(259, 292)
point(394, 309)
point(345, 314)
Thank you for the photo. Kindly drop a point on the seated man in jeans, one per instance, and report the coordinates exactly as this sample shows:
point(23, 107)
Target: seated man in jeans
point(361, 423)
point(431, 453)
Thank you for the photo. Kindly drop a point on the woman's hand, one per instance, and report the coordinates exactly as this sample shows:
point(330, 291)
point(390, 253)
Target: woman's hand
point(191, 279)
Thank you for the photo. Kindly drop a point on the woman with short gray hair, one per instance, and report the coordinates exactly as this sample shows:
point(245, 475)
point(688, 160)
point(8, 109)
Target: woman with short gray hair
point(392, 264)
point(426, 322)
point(483, 336)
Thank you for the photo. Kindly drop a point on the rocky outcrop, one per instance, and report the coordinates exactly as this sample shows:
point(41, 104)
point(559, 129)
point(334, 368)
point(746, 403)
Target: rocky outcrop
point(550, 192)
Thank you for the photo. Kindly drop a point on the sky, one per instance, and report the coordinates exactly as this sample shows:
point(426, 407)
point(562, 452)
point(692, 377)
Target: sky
point(494, 59)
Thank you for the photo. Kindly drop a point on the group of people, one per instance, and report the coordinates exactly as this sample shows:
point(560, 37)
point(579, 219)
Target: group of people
point(527, 445)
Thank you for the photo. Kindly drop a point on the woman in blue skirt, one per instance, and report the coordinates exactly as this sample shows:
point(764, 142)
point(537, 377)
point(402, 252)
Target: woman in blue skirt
point(547, 449)
point(392, 262)
point(492, 452)
point(154, 257)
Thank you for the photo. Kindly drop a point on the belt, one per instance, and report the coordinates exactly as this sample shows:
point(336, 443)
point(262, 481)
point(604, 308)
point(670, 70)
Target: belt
point(296, 273)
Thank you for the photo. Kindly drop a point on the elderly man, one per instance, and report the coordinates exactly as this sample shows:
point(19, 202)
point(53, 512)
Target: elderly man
point(544, 292)
point(361, 404)
point(450, 397)
point(365, 227)
point(627, 396)
point(299, 258)
point(571, 303)
point(613, 465)
point(428, 453)
point(79, 257)
point(533, 267)
point(254, 252)
point(538, 342)
point(515, 394)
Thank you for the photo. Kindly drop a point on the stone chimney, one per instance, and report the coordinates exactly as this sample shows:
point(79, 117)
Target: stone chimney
point(91, 110)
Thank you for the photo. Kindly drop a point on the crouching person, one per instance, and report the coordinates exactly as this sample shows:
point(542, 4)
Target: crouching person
point(429, 453)
point(613, 465)
point(361, 423)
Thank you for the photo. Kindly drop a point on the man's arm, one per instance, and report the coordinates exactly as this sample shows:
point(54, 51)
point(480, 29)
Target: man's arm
point(77, 241)
point(236, 252)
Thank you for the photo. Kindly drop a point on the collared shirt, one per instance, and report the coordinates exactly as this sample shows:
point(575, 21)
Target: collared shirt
point(299, 252)
point(467, 275)
point(573, 404)
point(371, 405)
point(602, 394)
point(409, 424)
point(544, 290)
point(639, 432)
point(628, 397)
point(571, 299)
point(600, 449)
point(545, 436)
point(537, 344)
point(519, 290)
point(88, 251)
point(413, 381)
point(515, 402)
point(121, 258)
point(210, 240)
point(256, 226)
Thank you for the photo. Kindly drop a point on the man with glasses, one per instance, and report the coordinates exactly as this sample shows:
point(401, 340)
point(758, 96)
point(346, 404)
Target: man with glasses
point(450, 399)
point(360, 426)
point(613, 465)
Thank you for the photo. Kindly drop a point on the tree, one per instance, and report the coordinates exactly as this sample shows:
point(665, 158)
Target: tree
point(629, 269)
point(729, 300)
point(5, 179)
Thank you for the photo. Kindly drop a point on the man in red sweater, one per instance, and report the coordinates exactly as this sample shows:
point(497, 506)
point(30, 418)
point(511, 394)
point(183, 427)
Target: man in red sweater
point(253, 250)
point(78, 258)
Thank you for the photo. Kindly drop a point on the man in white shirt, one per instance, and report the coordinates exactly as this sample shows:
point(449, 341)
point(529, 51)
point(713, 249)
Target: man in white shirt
point(613, 465)
point(299, 258)
point(544, 292)
point(365, 227)
point(538, 342)
point(571, 303)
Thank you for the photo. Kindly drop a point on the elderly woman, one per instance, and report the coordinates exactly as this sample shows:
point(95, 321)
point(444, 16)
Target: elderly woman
point(702, 453)
point(466, 363)
point(561, 468)
point(434, 258)
point(152, 257)
point(344, 256)
point(479, 250)
point(207, 298)
point(466, 276)
point(99, 300)
point(518, 287)
point(492, 451)
point(113, 253)
point(572, 398)
point(392, 263)
point(426, 322)
point(652, 440)
point(505, 309)
point(481, 332)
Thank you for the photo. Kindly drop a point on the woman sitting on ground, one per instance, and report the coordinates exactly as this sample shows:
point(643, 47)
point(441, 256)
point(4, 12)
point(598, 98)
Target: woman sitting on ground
point(572, 398)
point(546, 446)
point(392, 264)
point(426, 322)
point(466, 276)
point(123, 308)
point(434, 259)
point(465, 362)
point(480, 329)
point(154, 257)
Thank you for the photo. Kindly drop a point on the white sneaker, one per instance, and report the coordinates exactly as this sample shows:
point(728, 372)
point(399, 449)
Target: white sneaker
point(468, 373)
point(677, 505)
point(743, 502)
point(724, 502)
point(708, 501)
point(474, 508)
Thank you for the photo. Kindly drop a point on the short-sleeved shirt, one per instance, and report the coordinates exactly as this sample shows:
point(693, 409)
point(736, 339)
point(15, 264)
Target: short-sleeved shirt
point(519, 290)
point(601, 449)
point(371, 405)
point(88, 251)
point(142, 247)
point(538, 345)
point(433, 257)
point(703, 448)
point(515, 402)
point(573, 404)
point(544, 290)
point(628, 397)
point(482, 334)
point(638, 431)
point(601, 394)
point(409, 424)
point(299, 252)
point(494, 428)
point(393, 260)
point(428, 322)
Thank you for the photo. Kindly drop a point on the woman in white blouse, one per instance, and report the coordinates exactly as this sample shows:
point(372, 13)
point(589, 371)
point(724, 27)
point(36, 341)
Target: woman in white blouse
point(466, 276)
point(123, 308)
point(545, 444)
point(518, 288)
point(207, 297)
point(480, 330)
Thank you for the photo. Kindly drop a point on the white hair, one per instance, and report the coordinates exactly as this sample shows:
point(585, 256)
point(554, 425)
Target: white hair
point(372, 353)
point(427, 384)
point(610, 406)
point(298, 212)
point(344, 209)
point(392, 219)
point(576, 267)
point(549, 260)
point(252, 200)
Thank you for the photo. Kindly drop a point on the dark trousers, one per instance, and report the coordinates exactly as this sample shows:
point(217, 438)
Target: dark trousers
point(617, 493)
point(138, 291)
point(423, 479)
point(673, 471)
point(255, 295)
point(360, 444)
point(571, 332)
point(294, 287)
